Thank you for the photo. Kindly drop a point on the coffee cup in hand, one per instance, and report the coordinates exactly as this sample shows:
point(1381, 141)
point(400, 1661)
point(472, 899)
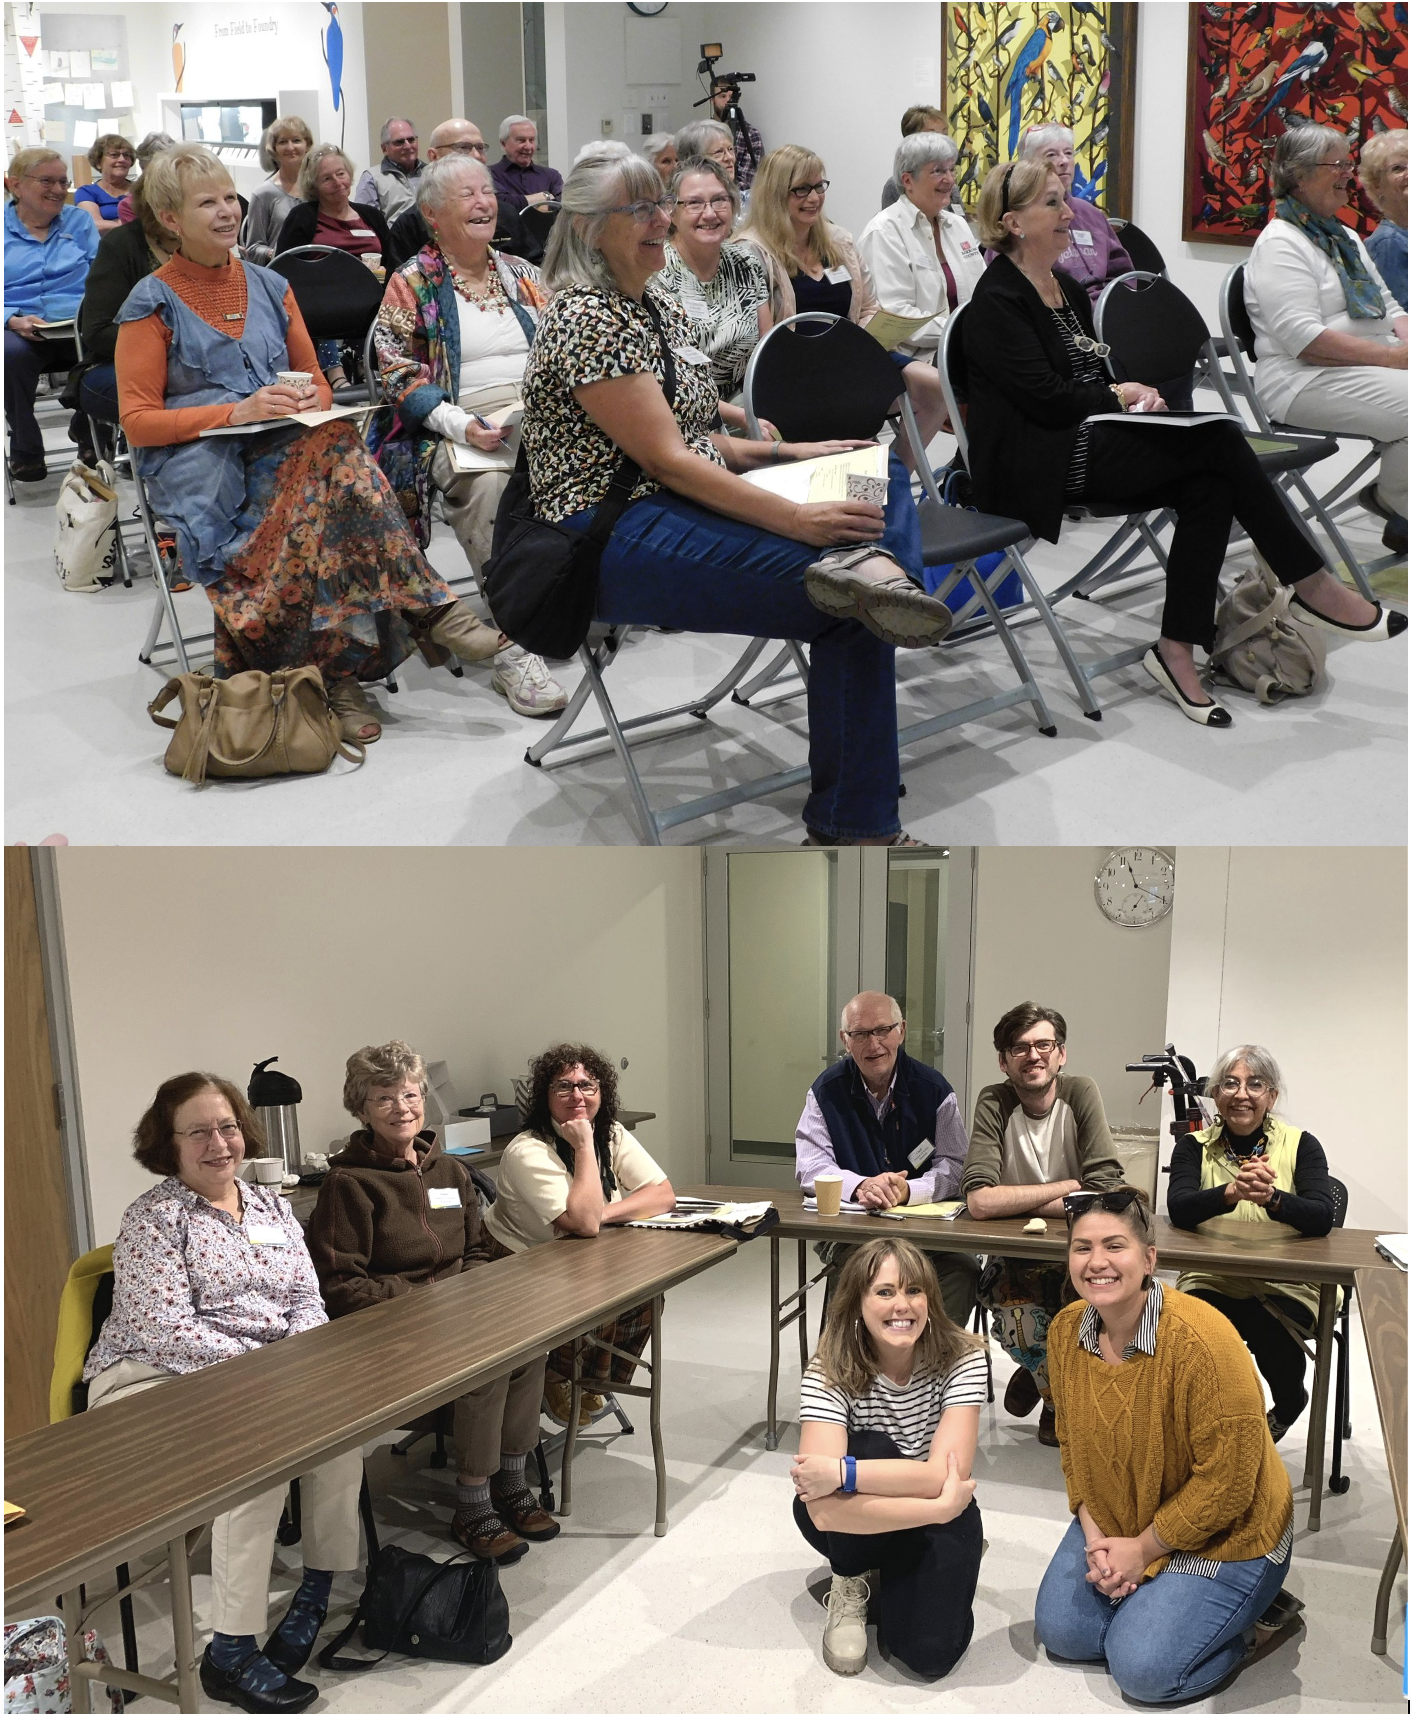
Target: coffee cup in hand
point(828, 1192)
point(300, 379)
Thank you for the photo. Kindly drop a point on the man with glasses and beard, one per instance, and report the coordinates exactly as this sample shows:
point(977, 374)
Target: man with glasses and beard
point(1035, 1138)
point(892, 1127)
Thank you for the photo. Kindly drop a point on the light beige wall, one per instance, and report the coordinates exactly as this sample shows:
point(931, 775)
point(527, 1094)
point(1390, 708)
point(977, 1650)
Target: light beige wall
point(1304, 950)
point(1040, 936)
point(492, 57)
point(407, 61)
point(217, 958)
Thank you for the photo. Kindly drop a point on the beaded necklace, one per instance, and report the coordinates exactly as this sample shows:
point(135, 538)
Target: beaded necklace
point(492, 300)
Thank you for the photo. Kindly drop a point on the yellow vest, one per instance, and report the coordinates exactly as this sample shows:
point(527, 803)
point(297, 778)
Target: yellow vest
point(1247, 1222)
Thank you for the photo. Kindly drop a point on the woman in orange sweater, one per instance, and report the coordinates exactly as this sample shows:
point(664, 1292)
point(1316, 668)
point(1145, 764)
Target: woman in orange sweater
point(1183, 1517)
point(300, 543)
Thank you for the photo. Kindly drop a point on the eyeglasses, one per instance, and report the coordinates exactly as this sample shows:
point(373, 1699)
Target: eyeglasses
point(879, 1032)
point(643, 211)
point(386, 1103)
point(121, 155)
point(800, 191)
point(1023, 1049)
point(585, 1086)
point(699, 205)
point(228, 1130)
point(464, 149)
point(1336, 166)
point(48, 182)
point(1252, 1086)
point(1079, 1202)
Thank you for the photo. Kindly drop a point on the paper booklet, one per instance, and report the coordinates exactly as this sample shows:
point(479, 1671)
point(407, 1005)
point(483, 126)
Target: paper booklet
point(54, 329)
point(306, 419)
point(814, 479)
point(691, 1211)
point(503, 458)
point(1394, 1246)
point(1167, 419)
point(891, 330)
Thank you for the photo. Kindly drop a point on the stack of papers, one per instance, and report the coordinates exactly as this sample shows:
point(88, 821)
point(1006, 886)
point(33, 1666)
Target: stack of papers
point(817, 479)
point(307, 419)
point(691, 1211)
point(1394, 1245)
point(811, 1206)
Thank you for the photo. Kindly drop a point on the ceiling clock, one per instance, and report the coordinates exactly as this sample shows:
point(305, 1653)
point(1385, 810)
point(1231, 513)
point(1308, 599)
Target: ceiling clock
point(1135, 886)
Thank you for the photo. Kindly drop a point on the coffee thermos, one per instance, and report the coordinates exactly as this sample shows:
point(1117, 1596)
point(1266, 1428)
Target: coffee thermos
point(275, 1099)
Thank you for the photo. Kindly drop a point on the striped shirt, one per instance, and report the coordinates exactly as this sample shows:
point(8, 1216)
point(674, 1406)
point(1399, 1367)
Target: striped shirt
point(1085, 366)
point(1144, 1343)
point(907, 1415)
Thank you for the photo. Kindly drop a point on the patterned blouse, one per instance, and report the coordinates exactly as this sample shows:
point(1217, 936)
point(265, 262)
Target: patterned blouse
point(724, 312)
point(193, 1286)
point(1084, 366)
point(592, 335)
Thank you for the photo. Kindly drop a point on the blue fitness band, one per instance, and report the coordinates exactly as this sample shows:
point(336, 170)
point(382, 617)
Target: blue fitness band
point(850, 1475)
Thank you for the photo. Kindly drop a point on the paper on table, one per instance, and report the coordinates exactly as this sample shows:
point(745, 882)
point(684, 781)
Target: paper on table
point(811, 1206)
point(85, 133)
point(306, 419)
point(931, 1210)
point(13, 1512)
point(120, 94)
point(1168, 419)
point(1394, 1245)
point(891, 330)
point(816, 479)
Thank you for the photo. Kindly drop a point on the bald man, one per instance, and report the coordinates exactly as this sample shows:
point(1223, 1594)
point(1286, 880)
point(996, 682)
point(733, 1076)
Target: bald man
point(409, 231)
point(892, 1127)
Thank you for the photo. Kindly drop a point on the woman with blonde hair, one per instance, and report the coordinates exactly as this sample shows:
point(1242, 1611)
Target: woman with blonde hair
point(1382, 172)
point(282, 151)
point(888, 1416)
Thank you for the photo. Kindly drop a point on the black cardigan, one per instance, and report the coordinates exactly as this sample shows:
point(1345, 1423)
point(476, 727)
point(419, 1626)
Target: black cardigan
point(1309, 1208)
point(300, 222)
point(124, 257)
point(1024, 407)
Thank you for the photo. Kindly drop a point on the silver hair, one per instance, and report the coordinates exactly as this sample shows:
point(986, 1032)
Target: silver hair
point(602, 149)
point(653, 146)
point(508, 125)
point(306, 183)
point(1260, 1060)
point(920, 150)
point(435, 183)
point(385, 135)
point(1298, 151)
point(153, 144)
point(1036, 139)
point(896, 1009)
point(697, 137)
point(594, 187)
point(702, 167)
point(378, 1067)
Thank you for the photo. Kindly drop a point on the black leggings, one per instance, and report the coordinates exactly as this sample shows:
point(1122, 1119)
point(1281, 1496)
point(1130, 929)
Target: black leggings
point(1208, 476)
point(1276, 1355)
point(928, 1575)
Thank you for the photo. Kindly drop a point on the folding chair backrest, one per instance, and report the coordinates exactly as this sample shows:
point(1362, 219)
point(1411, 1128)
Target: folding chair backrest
point(338, 295)
point(836, 385)
point(1140, 247)
point(1238, 324)
point(1156, 331)
point(951, 367)
point(84, 1305)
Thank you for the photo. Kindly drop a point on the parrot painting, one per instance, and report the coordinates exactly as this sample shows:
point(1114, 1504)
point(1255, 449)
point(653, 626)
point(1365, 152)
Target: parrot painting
point(1029, 63)
point(1312, 59)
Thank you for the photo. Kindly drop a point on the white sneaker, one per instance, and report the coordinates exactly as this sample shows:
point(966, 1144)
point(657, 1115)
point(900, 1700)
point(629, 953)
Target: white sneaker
point(846, 1630)
point(524, 681)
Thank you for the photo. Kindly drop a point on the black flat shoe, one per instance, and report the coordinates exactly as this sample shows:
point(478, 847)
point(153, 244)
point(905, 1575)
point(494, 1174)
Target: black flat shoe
point(1203, 713)
point(290, 1660)
point(28, 469)
point(1387, 624)
point(222, 1686)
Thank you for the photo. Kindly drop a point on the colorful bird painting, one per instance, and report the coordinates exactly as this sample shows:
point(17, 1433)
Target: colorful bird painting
point(1300, 69)
point(178, 58)
point(1029, 63)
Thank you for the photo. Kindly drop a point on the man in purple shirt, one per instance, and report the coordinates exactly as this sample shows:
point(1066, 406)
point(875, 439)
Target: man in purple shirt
point(517, 178)
point(891, 1126)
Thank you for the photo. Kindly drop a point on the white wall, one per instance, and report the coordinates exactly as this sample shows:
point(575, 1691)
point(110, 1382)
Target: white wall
point(1304, 951)
point(217, 958)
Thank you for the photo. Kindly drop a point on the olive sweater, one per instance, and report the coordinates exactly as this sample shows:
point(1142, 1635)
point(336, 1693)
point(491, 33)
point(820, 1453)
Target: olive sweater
point(376, 1230)
point(1177, 1440)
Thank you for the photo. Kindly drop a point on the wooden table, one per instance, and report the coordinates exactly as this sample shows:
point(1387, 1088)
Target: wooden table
point(1382, 1307)
point(139, 1474)
point(1328, 1262)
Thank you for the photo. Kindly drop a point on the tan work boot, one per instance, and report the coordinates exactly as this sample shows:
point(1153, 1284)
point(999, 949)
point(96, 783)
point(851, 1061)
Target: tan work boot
point(455, 628)
point(846, 1629)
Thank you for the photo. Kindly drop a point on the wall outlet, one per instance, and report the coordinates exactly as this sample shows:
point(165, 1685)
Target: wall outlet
point(607, 127)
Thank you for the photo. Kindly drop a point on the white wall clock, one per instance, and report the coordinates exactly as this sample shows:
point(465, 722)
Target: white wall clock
point(647, 8)
point(1135, 886)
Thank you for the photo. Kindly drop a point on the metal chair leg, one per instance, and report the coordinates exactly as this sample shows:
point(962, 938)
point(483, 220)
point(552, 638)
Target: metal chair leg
point(659, 1457)
point(546, 1487)
point(1391, 1567)
point(571, 1434)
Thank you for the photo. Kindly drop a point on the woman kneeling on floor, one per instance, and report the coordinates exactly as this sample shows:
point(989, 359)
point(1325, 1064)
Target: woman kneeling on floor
point(394, 1214)
point(207, 1267)
point(1183, 1517)
point(295, 534)
point(888, 1415)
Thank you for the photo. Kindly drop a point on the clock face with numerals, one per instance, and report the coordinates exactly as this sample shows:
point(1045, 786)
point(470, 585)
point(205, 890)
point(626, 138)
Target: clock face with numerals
point(1135, 886)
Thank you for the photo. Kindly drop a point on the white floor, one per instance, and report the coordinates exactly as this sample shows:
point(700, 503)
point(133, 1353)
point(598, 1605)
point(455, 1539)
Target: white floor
point(716, 1614)
point(83, 760)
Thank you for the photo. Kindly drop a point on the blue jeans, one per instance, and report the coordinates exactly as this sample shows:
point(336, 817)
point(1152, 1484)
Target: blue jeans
point(98, 392)
point(1174, 1638)
point(671, 563)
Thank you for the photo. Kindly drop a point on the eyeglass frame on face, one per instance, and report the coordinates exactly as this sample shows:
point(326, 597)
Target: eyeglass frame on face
point(565, 1091)
point(665, 205)
point(1344, 166)
point(879, 1032)
point(397, 1098)
point(699, 205)
point(479, 150)
point(818, 188)
point(60, 184)
point(1250, 1086)
point(228, 1130)
point(1027, 1049)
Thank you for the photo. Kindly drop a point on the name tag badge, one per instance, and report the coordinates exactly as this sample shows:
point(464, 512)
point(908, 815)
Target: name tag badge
point(697, 309)
point(689, 354)
point(444, 1198)
point(922, 1152)
point(266, 1232)
point(967, 247)
point(838, 276)
point(1082, 238)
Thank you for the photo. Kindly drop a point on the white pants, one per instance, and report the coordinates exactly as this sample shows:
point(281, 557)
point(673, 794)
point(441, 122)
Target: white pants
point(243, 1539)
point(1366, 401)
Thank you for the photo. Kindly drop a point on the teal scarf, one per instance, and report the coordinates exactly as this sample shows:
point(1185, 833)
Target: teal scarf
point(1360, 289)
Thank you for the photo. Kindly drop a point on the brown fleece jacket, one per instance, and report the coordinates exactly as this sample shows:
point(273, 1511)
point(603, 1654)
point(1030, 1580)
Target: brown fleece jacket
point(374, 1233)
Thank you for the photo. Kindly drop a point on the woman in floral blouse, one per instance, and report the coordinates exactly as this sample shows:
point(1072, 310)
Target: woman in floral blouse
point(206, 1267)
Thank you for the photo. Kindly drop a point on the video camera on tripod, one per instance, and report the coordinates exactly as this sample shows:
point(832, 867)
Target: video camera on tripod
point(711, 53)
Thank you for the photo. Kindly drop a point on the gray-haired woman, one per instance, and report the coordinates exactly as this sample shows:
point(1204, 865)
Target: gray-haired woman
point(1330, 339)
point(1094, 255)
point(699, 549)
point(707, 140)
point(661, 150)
point(1253, 1176)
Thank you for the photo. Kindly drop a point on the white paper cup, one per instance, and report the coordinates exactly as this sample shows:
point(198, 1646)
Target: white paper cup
point(828, 1191)
point(300, 379)
point(267, 1171)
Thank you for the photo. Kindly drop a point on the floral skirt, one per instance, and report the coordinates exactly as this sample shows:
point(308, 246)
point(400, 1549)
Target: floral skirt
point(328, 574)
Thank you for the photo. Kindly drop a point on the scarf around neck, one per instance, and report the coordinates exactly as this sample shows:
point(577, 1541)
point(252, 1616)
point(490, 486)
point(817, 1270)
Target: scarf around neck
point(1334, 240)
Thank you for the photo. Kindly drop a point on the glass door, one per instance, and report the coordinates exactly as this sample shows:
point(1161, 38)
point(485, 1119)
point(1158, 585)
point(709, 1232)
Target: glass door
point(928, 955)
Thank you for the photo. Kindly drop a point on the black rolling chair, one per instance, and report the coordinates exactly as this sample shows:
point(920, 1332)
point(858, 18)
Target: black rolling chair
point(338, 297)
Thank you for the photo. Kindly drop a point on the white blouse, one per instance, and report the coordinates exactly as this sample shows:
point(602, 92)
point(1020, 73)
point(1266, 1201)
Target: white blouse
point(907, 275)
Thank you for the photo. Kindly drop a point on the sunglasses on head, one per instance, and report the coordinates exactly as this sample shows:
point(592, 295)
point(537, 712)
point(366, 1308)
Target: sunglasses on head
point(1079, 1202)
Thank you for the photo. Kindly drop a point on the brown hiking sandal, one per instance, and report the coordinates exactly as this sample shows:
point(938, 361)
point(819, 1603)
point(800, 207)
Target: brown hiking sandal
point(487, 1538)
point(521, 1512)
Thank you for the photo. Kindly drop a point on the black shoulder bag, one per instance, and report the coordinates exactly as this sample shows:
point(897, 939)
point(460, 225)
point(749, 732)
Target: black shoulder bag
point(542, 578)
point(449, 1610)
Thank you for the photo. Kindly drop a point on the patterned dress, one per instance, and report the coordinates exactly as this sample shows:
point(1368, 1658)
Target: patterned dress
point(724, 312)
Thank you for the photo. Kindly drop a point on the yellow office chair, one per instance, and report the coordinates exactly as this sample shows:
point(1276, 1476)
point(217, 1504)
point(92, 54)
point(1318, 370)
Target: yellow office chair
point(90, 1276)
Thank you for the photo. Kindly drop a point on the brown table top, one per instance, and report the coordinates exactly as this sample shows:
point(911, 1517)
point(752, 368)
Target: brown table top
point(1382, 1306)
point(1316, 1261)
point(109, 1484)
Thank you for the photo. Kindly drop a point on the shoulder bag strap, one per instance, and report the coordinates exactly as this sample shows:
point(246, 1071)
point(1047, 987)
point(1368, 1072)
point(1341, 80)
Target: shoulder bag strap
point(627, 474)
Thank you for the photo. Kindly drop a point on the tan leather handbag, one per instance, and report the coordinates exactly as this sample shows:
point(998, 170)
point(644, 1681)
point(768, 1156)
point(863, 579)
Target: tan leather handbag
point(251, 725)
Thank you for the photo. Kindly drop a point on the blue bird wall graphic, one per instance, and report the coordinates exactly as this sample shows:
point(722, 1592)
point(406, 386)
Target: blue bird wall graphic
point(1029, 63)
point(331, 43)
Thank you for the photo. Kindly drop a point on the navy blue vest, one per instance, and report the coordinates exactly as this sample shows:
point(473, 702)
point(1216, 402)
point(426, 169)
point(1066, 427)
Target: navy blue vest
point(860, 1143)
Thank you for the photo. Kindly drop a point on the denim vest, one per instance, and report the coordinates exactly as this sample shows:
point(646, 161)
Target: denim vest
point(198, 487)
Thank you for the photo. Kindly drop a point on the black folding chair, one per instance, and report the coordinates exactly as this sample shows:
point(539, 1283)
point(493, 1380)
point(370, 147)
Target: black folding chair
point(338, 297)
point(1144, 253)
point(1343, 1402)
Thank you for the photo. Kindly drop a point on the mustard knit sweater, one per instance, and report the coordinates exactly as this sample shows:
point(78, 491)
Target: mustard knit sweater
point(1177, 1440)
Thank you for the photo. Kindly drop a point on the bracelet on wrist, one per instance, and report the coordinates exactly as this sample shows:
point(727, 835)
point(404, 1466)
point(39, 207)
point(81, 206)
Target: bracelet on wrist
point(1117, 393)
point(778, 452)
